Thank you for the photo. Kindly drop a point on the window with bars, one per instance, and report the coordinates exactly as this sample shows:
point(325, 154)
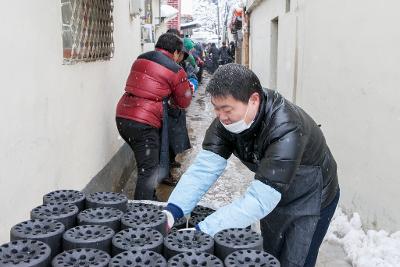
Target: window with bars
point(87, 30)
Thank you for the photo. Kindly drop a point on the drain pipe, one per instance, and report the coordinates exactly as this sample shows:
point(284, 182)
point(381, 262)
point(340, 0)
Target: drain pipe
point(246, 35)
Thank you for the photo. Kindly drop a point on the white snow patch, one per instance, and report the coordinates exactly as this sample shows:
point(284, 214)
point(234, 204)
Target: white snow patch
point(364, 249)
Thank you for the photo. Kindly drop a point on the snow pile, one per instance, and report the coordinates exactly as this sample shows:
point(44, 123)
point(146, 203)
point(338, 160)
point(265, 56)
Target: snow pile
point(364, 249)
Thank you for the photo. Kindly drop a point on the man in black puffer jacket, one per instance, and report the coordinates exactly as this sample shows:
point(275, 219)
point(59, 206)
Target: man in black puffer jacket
point(224, 55)
point(295, 191)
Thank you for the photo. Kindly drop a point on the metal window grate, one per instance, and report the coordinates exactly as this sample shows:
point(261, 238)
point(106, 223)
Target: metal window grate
point(87, 30)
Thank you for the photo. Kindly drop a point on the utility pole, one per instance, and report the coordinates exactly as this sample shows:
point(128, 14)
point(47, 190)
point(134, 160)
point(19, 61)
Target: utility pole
point(246, 29)
point(218, 29)
point(225, 24)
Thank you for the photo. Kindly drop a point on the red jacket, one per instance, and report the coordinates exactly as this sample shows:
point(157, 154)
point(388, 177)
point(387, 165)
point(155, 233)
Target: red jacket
point(154, 75)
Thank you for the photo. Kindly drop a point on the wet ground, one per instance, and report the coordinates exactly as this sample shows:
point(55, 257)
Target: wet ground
point(234, 181)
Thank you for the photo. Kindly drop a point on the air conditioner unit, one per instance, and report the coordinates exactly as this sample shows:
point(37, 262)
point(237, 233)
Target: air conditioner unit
point(136, 7)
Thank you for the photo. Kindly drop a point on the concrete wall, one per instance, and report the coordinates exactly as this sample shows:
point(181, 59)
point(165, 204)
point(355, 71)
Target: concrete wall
point(160, 26)
point(58, 126)
point(339, 60)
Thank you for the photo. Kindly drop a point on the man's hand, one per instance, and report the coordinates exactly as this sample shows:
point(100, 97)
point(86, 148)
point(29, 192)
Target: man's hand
point(191, 87)
point(170, 220)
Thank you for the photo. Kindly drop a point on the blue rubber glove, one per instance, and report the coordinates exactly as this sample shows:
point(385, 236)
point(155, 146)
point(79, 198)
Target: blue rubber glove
point(195, 182)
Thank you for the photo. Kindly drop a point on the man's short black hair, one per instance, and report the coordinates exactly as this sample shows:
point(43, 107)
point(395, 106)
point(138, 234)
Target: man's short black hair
point(234, 80)
point(174, 31)
point(169, 42)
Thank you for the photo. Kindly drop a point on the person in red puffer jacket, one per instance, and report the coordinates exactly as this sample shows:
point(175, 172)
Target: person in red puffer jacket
point(154, 75)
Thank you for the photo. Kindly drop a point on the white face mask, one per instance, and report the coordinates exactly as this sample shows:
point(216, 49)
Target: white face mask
point(239, 126)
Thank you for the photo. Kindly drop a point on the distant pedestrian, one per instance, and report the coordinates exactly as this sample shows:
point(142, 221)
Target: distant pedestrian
point(213, 53)
point(224, 57)
point(232, 49)
point(198, 53)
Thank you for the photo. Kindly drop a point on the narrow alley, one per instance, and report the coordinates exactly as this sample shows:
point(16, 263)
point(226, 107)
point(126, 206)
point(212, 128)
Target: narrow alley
point(104, 112)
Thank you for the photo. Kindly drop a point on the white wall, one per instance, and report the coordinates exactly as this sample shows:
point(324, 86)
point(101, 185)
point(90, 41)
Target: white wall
point(160, 27)
point(260, 42)
point(58, 126)
point(340, 61)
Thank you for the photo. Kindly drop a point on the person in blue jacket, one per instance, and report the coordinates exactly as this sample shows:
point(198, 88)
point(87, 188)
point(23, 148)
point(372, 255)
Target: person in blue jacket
point(295, 189)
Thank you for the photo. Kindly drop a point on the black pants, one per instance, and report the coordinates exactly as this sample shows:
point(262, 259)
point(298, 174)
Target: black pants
point(199, 74)
point(145, 143)
point(172, 155)
point(320, 231)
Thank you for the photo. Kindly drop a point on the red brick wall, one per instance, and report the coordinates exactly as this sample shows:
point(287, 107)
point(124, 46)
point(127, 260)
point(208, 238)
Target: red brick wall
point(176, 22)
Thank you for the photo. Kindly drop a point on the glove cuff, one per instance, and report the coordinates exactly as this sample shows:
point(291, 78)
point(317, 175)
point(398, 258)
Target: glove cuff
point(174, 210)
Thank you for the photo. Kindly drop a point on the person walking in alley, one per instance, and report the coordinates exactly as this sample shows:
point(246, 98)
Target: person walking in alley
point(191, 67)
point(154, 76)
point(295, 191)
point(224, 55)
point(198, 53)
point(232, 50)
point(213, 54)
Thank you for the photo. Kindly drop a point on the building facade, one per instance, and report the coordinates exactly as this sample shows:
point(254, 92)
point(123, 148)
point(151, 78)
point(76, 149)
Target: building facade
point(61, 83)
point(339, 60)
point(176, 21)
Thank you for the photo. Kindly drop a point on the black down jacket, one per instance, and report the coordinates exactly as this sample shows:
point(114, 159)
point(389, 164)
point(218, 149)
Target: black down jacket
point(224, 54)
point(281, 139)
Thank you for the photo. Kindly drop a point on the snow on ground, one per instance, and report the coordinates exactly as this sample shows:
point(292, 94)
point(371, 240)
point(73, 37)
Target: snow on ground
point(364, 248)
